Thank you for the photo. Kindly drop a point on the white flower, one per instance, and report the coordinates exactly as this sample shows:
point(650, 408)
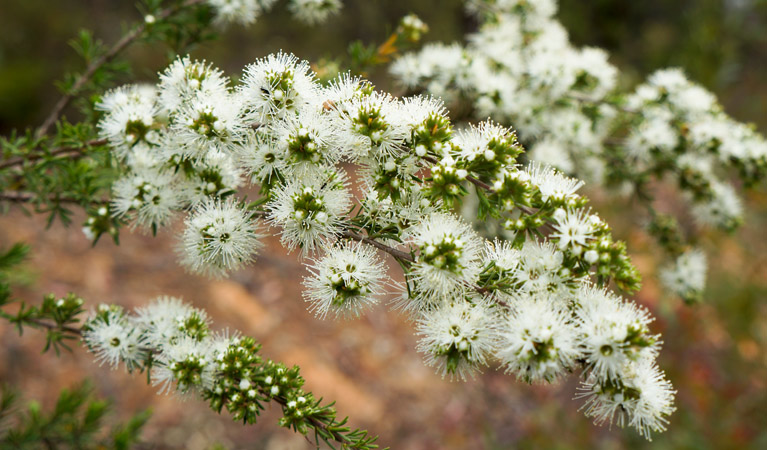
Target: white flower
point(211, 120)
point(539, 269)
point(458, 337)
point(166, 319)
point(686, 277)
point(244, 12)
point(310, 210)
point(548, 151)
point(572, 229)
point(552, 183)
point(613, 332)
point(314, 11)
point(487, 143)
point(186, 361)
point(261, 158)
point(307, 141)
point(538, 342)
point(724, 209)
point(448, 256)
point(114, 339)
point(219, 237)
point(344, 281)
point(373, 125)
point(184, 79)
point(150, 197)
point(214, 176)
point(502, 255)
point(643, 398)
point(130, 117)
point(276, 85)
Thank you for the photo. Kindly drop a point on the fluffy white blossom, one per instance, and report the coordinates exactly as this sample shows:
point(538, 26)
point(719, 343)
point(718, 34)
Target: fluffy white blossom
point(345, 280)
point(448, 250)
point(220, 237)
point(186, 78)
point(538, 341)
point(114, 339)
point(613, 332)
point(310, 210)
point(314, 11)
point(458, 337)
point(276, 85)
point(686, 277)
point(150, 197)
point(643, 399)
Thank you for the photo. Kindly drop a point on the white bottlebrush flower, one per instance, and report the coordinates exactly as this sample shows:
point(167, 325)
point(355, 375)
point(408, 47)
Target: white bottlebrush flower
point(150, 197)
point(187, 362)
point(458, 338)
point(345, 280)
point(502, 255)
point(261, 159)
point(613, 332)
point(724, 209)
point(538, 341)
point(373, 125)
point(310, 210)
point(307, 141)
point(314, 11)
point(643, 398)
point(220, 237)
point(114, 339)
point(167, 319)
point(130, 117)
point(448, 257)
point(211, 120)
point(275, 85)
point(485, 142)
point(214, 176)
point(551, 182)
point(655, 133)
point(686, 277)
point(539, 269)
point(344, 89)
point(572, 229)
point(186, 78)
point(244, 12)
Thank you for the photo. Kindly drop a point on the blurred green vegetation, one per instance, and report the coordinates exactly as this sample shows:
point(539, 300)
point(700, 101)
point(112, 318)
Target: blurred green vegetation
point(716, 353)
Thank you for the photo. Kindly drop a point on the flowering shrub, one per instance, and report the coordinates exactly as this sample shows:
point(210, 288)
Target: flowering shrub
point(349, 176)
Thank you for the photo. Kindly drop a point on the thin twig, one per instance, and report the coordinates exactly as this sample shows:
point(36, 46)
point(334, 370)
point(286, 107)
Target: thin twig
point(399, 254)
point(60, 151)
point(54, 326)
point(27, 197)
point(94, 66)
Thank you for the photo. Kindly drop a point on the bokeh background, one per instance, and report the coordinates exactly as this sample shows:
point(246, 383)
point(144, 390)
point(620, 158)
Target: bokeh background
point(714, 353)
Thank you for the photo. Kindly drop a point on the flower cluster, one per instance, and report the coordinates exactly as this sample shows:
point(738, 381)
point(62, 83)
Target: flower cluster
point(521, 68)
point(536, 303)
point(245, 12)
point(173, 342)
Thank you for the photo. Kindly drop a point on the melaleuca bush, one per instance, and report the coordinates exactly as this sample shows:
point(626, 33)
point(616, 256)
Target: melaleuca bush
point(521, 68)
point(345, 172)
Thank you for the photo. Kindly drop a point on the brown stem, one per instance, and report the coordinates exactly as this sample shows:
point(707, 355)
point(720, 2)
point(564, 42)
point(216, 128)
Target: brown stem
point(399, 254)
point(27, 197)
point(53, 326)
point(96, 64)
point(60, 151)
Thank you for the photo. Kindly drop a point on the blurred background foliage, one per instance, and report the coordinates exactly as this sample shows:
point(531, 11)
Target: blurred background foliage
point(715, 353)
